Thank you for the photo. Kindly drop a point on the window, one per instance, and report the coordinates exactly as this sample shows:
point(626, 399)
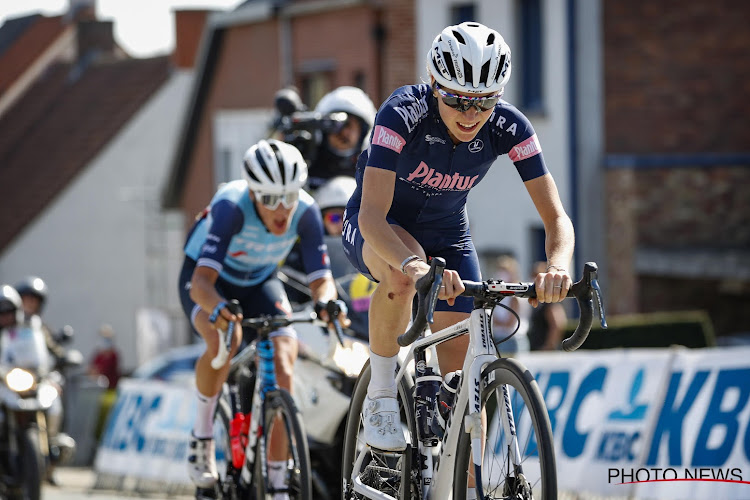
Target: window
point(463, 13)
point(530, 52)
point(537, 236)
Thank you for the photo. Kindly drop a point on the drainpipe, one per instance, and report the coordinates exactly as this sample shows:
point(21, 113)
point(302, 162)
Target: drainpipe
point(573, 125)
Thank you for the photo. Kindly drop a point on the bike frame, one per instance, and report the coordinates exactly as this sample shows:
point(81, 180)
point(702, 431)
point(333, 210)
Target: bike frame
point(480, 353)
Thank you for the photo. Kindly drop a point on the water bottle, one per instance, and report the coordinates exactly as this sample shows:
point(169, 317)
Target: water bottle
point(445, 400)
point(235, 438)
point(427, 387)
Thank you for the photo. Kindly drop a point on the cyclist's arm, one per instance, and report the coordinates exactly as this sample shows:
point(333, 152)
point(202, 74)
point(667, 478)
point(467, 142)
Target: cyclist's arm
point(559, 240)
point(227, 221)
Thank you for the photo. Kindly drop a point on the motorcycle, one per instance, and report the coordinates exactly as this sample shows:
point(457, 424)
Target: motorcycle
point(325, 370)
point(27, 393)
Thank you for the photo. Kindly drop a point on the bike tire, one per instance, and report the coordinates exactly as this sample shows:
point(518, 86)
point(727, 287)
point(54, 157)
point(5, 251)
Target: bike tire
point(30, 465)
point(229, 476)
point(300, 476)
point(537, 448)
point(353, 441)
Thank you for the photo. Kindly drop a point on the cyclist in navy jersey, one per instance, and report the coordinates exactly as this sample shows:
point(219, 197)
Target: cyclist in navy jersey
point(430, 145)
point(232, 252)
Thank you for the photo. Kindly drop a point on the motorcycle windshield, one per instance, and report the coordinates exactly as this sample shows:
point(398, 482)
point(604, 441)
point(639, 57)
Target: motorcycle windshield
point(24, 347)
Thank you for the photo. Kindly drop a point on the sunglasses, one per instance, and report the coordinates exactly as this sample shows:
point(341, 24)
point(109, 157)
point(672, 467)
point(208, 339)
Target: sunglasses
point(334, 217)
point(272, 201)
point(464, 103)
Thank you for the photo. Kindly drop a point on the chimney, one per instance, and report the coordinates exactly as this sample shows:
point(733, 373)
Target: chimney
point(95, 37)
point(81, 10)
point(189, 27)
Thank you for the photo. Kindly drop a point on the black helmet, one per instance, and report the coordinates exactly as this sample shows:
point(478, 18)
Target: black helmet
point(33, 285)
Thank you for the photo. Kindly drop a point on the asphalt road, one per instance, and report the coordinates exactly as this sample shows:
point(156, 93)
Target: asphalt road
point(75, 483)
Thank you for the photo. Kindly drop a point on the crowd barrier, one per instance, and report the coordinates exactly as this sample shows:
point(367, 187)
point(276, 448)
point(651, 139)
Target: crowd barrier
point(640, 423)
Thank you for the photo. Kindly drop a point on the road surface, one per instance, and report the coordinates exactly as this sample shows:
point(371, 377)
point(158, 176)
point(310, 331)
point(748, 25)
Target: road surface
point(75, 483)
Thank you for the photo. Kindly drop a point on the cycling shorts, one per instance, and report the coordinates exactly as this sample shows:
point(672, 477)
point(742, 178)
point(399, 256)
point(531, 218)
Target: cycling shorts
point(267, 297)
point(452, 244)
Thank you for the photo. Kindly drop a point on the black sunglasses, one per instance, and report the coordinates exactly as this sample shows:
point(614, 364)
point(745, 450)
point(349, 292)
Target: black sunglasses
point(464, 103)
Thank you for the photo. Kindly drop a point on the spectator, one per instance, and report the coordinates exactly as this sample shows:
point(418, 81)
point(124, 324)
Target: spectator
point(547, 321)
point(504, 322)
point(106, 359)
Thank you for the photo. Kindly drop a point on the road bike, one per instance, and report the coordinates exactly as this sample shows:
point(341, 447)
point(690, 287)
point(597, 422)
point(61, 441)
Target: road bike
point(496, 439)
point(250, 406)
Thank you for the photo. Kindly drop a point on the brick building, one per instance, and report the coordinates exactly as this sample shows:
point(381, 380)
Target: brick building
point(677, 165)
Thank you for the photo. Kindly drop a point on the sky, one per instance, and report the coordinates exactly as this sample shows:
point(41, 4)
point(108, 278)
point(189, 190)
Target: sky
point(144, 28)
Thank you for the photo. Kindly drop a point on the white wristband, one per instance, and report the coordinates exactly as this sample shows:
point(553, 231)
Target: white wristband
point(407, 260)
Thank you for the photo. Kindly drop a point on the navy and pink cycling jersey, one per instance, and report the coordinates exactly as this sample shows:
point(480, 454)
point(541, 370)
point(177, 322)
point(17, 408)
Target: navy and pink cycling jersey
point(434, 176)
point(232, 239)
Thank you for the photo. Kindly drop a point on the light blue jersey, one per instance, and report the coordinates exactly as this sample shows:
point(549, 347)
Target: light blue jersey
point(231, 238)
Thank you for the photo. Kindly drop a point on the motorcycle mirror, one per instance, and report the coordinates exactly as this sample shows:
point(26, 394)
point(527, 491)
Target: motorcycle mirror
point(65, 334)
point(73, 358)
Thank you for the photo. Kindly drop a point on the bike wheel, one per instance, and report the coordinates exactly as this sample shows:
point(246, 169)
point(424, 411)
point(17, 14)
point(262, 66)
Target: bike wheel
point(32, 465)
point(537, 476)
point(382, 471)
point(281, 412)
point(228, 475)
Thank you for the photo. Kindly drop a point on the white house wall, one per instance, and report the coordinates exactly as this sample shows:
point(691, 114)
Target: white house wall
point(500, 209)
point(103, 246)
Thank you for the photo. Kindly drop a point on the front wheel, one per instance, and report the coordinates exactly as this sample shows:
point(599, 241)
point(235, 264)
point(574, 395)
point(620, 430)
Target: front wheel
point(535, 476)
point(31, 465)
point(382, 471)
point(283, 422)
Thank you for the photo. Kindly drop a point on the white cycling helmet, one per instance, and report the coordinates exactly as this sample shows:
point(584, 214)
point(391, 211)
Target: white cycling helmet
point(274, 167)
point(336, 192)
point(10, 301)
point(350, 100)
point(470, 58)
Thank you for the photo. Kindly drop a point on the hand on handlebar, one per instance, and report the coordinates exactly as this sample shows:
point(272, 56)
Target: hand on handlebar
point(333, 311)
point(451, 287)
point(551, 286)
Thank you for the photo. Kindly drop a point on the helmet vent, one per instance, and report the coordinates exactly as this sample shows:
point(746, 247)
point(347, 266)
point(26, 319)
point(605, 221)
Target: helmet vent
point(263, 165)
point(468, 71)
point(485, 72)
point(451, 69)
point(280, 162)
point(459, 37)
point(491, 39)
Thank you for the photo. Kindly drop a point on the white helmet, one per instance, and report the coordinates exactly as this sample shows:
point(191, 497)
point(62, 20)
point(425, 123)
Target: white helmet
point(10, 301)
point(274, 167)
point(336, 192)
point(350, 100)
point(471, 58)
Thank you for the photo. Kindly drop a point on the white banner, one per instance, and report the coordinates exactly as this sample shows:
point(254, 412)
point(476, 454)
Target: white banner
point(147, 432)
point(655, 424)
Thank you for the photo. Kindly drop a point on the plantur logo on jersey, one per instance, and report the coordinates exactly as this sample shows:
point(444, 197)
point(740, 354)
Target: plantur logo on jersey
point(383, 136)
point(413, 113)
point(445, 182)
point(528, 148)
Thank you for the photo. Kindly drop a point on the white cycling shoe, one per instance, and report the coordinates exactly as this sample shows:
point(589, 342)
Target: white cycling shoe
point(382, 424)
point(202, 462)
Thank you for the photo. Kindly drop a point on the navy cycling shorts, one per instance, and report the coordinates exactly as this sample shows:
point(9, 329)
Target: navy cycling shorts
point(267, 297)
point(452, 244)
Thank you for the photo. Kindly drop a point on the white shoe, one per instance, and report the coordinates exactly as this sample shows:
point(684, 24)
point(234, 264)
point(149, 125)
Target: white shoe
point(382, 424)
point(202, 462)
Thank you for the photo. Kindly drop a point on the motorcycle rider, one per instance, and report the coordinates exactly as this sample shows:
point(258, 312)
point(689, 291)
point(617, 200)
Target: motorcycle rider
point(11, 308)
point(33, 292)
point(332, 149)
